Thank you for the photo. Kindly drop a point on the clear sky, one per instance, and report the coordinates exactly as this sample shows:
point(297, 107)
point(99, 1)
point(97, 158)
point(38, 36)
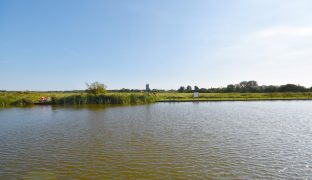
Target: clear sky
point(62, 44)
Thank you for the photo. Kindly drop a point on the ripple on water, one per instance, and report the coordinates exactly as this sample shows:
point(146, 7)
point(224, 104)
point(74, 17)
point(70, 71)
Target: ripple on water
point(234, 140)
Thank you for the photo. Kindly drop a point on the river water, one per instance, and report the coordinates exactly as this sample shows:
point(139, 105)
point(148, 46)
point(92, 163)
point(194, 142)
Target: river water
point(207, 140)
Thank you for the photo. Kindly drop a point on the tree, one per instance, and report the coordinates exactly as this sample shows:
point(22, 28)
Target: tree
point(269, 88)
point(124, 90)
point(230, 88)
point(189, 88)
point(242, 85)
point(196, 88)
point(96, 88)
point(292, 88)
point(247, 86)
point(252, 86)
point(203, 90)
point(181, 89)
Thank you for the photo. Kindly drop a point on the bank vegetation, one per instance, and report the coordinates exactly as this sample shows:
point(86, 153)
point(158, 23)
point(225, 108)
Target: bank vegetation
point(96, 93)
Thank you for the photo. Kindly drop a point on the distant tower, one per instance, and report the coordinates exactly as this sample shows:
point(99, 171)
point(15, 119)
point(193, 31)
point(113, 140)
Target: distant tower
point(147, 88)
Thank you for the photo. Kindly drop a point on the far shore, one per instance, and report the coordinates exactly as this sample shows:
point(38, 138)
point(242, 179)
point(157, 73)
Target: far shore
point(246, 99)
point(130, 98)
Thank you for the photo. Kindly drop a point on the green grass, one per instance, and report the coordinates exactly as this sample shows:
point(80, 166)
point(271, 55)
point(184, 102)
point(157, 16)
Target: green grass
point(29, 98)
point(233, 96)
point(104, 99)
point(25, 98)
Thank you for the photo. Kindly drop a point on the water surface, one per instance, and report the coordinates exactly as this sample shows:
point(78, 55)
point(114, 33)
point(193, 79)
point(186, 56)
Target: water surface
point(234, 140)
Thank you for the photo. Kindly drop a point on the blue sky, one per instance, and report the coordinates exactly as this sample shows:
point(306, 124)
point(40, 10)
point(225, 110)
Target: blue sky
point(61, 45)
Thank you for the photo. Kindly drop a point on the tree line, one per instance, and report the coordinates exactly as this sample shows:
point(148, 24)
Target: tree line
point(247, 86)
point(242, 87)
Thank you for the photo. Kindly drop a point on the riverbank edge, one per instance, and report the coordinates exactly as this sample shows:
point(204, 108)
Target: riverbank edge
point(219, 100)
point(210, 100)
point(26, 99)
point(168, 101)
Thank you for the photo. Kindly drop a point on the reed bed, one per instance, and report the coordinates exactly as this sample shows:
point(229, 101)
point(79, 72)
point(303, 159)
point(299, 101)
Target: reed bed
point(59, 98)
point(103, 99)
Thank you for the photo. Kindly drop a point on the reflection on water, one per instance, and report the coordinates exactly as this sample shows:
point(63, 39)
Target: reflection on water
point(244, 140)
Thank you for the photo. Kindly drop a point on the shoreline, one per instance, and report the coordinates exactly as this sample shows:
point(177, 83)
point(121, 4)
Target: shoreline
point(165, 101)
point(220, 100)
point(26, 98)
point(195, 100)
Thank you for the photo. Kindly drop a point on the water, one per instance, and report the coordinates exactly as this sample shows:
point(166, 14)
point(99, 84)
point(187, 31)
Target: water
point(219, 140)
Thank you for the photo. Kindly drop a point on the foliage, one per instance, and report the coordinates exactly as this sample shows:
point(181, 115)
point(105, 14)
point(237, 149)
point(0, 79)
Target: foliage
point(96, 88)
point(104, 99)
point(292, 88)
point(23, 102)
point(235, 96)
point(188, 88)
point(23, 98)
point(97, 94)
point(60, 98)
point(248, 87)
point(181, 89)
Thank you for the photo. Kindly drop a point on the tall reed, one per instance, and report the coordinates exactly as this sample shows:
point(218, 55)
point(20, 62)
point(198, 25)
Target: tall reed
point(103, 99)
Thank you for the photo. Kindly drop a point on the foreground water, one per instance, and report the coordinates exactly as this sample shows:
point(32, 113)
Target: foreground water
point(234, 140)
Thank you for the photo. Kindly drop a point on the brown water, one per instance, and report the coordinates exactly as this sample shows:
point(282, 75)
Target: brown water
point(218, 140)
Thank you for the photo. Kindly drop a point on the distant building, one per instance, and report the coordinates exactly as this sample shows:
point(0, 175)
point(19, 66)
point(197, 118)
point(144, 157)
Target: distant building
point(147, 88)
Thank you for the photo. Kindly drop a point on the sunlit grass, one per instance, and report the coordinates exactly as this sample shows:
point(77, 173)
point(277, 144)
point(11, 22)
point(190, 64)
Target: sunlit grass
point(28, 98)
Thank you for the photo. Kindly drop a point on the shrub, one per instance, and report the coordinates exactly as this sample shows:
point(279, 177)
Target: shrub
point(96, 88)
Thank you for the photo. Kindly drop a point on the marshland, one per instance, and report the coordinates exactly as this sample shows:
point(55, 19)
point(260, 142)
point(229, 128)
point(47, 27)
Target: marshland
point(97, 93)
point(161, 89)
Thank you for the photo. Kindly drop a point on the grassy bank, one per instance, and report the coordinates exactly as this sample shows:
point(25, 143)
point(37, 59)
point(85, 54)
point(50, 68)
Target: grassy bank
point(30, 98)
point(103, 99)
point(233, 96)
